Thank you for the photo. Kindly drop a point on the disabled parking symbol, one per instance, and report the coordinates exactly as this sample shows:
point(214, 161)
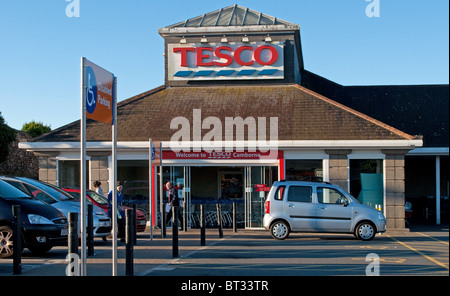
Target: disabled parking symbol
point(91, 90)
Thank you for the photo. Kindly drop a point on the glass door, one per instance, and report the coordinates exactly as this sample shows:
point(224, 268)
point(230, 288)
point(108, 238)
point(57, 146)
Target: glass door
point(257, 181)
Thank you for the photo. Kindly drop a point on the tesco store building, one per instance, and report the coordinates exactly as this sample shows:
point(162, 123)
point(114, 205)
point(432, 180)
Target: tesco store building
point(233, 116)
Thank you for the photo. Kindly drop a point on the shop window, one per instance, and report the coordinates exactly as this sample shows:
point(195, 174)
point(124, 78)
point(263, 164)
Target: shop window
point(304, 170)
point(69, 172)
point(366, 181)
point(135, 177)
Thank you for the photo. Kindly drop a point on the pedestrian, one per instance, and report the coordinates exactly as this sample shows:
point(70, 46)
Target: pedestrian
point(120, 211)
point(172, 200)
point(98, 188)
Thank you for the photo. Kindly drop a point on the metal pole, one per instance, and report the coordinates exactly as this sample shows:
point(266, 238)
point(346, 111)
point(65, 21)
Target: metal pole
point(174, 231)
point(134, 207)
point(73, 233)
point(83, 169)
point(219, 220)
point(17, 240)
point(438, 190)
point(202, 226)
point(114, 185)
point(129, 241)
point(90, 229)
point(150, 187)
point(234, 217)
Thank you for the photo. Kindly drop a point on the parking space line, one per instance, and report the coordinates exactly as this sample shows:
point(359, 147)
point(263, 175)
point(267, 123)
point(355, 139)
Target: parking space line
point(419, 252)
point(438, 240)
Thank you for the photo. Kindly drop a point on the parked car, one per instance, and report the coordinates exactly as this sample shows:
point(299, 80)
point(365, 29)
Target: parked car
point(102, 202)
point(299, 206)
point(43, 226)
point(60, 200)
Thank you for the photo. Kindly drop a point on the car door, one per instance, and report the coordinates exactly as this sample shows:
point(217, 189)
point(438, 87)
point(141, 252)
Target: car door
point(334, 214)
point(300, 208)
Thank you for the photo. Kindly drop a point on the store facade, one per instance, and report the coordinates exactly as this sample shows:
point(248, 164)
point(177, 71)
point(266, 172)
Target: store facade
point(232, 118)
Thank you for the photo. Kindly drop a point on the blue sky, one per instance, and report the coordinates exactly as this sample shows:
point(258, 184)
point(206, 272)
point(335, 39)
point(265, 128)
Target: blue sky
point(40, 47)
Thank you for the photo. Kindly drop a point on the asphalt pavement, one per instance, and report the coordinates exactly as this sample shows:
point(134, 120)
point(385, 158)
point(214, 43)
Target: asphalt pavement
point(419, 252)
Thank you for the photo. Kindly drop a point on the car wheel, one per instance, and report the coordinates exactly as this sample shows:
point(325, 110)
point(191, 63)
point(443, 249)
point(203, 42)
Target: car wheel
point(365, 231)
point(279, 230)
point(6, 242)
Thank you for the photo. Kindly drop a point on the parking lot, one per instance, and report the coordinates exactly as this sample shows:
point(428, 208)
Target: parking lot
point(422, 251)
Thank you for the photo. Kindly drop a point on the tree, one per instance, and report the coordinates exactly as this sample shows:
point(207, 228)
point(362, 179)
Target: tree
point(7, 136)
point(35, 129)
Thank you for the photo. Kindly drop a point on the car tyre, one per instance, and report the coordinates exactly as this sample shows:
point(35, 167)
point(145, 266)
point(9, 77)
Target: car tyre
point(365, 231)
point(279, 230)
point(6, 242)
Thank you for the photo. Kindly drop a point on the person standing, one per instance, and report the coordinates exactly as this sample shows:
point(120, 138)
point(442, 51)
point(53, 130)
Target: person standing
point(172, 200)
point(120, 211)
point(98, 188)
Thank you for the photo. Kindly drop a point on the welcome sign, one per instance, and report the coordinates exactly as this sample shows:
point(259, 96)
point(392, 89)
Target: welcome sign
point(226, 61)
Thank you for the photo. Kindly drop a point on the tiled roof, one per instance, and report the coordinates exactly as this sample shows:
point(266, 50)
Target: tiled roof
point(302, 114)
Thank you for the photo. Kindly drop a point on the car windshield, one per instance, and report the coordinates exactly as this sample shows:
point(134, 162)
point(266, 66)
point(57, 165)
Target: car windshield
point(100, 199)
point(9, 191)
point(50, 189)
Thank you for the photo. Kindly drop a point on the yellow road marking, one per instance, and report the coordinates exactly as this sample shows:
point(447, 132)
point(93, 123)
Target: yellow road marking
point(433, 238)
point(419, 252)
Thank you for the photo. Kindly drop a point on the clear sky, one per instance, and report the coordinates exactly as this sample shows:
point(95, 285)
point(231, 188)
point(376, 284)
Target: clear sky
point(40, 47)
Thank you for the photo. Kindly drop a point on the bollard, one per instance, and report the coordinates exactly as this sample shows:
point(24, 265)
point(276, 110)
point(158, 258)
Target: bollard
point(17, 240)
point(163, 220)
point(90, 230)
point(234, 217)
point(134, 224)
point(73, 233)
point(202, 226)
point(219, 219)
point(174, 231)
point(129, 241)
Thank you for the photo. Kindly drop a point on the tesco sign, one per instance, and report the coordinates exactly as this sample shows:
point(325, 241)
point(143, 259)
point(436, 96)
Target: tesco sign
point(225, 61)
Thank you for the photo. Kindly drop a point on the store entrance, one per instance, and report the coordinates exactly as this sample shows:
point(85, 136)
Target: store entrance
point(246, 187)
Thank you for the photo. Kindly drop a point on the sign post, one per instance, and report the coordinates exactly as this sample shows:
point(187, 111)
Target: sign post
point(98, 102)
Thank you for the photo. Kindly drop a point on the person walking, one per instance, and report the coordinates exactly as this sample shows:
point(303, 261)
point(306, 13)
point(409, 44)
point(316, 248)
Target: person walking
point(172, 201)
point(120, 212)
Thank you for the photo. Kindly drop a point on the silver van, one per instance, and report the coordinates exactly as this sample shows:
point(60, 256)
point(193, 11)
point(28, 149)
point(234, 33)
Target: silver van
point(300, 206)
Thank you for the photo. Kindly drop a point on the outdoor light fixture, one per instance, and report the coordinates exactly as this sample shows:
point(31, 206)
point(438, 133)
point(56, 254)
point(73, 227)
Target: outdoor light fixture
point(268, 38)
point(224, 39)
point(245, 39)
point(204, 40)
point(183, 40)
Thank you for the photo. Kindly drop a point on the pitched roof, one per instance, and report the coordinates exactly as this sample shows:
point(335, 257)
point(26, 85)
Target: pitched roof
point(233, 15)
point(302, 115)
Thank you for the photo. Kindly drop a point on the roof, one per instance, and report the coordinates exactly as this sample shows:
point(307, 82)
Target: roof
point(302, 115)
point(233, 15)
point(414, 109)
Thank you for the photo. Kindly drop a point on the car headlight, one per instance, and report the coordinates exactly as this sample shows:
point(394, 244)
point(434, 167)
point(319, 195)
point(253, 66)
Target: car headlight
point(38, 219)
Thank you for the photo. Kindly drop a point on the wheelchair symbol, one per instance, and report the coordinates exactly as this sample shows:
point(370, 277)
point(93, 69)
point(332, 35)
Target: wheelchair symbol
point(91, 90)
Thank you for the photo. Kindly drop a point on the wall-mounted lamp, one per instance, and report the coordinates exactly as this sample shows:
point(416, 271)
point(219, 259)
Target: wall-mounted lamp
point(224, 39)
point(268, 38)
point(204, 40)
point(245, 39)
point(183, 40)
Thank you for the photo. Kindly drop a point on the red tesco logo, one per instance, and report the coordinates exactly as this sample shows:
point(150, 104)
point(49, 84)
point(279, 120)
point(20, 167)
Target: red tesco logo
point(202, 54)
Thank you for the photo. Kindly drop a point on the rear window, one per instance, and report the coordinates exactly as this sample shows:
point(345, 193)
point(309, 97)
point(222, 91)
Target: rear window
point(8, 191)
point(300, 194)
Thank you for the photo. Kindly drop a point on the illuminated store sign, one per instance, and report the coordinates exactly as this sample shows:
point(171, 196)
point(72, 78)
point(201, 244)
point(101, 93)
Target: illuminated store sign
point(225, 61)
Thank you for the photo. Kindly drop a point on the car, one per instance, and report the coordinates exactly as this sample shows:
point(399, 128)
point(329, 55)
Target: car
point(102, 202)
point(43, 226)
point(302, 206)
point(60, 200)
